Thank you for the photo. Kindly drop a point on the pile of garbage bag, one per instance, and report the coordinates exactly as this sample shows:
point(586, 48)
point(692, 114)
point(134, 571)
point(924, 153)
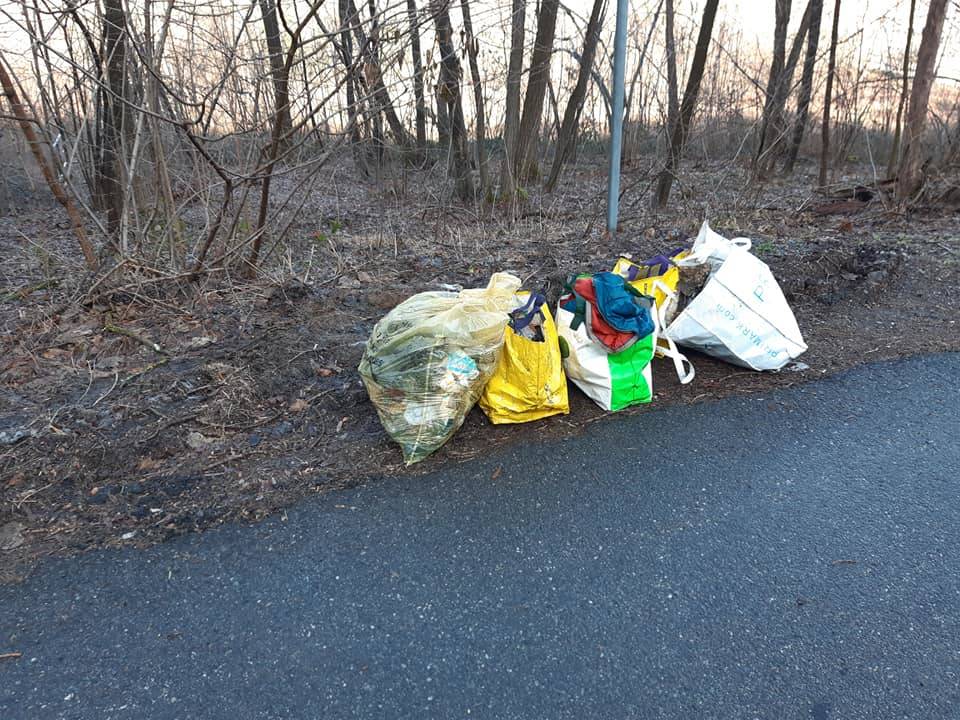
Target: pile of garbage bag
point(435, 355)
point(609, 329)
point(528, 383)
point(740, 315)
point(427, 362)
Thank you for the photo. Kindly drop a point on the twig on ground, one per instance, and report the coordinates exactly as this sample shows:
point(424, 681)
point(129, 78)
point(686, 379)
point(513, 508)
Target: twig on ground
point(235, 428)
point(143, 371)
point(24, 292)
point(219, 463)
point(304, 352)
point(169, 424)
point(29, 494)
point(127, 332)
point(116, 379)
point(733, 375)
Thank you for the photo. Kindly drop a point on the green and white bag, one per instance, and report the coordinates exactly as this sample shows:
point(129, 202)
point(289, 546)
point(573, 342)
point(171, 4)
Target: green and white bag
point(612, 380)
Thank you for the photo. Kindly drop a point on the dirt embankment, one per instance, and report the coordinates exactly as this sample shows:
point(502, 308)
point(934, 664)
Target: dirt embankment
point(152, 409)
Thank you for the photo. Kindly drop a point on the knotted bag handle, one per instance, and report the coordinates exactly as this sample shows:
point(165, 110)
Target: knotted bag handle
point(524, 315)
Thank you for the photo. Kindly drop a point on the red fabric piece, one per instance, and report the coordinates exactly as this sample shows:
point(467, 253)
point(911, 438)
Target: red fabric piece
point(603, 332)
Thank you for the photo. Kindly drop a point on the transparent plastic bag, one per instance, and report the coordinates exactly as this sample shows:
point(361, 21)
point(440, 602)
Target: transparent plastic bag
point(426, 363)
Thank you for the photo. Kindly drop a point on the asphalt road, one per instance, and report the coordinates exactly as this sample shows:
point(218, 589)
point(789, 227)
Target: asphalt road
point(787, 556)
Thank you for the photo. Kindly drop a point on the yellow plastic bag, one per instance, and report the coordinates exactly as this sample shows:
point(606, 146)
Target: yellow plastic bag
point(528, 383)
point(646, 279)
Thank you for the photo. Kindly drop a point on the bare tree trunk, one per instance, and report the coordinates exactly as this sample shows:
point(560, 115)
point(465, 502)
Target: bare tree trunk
point(450, 93)
point(511, 121)
point(777, 64)
point(673, 92)
point(567, 137)
point(776, 128)
point(318, 134)
point(828, 96)
point(905, 88)
point(26, 125)
point(628, 105)
point(417, 78)
point(281, 81)
point(114, 41)
point(473, 48)
point(273, 149)
point(152, 58)
point(806, 85)
point(910, 176)
point(370, 47)
point(382, 95)
point(443, 123)
point(371, 79)
point(600, 85)
point(554, 110)
point(93, 137)
point(525, 161)
point(678, 137)
point(352, 85)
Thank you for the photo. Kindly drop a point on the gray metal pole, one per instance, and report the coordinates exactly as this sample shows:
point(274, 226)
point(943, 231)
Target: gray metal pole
point(616, 122)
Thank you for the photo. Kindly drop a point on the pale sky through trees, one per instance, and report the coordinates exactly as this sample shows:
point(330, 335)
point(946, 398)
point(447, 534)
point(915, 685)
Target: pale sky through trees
point(885, 22)
point(744, 26)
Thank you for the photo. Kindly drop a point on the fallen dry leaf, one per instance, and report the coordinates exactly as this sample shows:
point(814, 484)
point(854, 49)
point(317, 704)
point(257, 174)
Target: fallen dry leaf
point(147, 463)
point(197, 440)
point(74, 335)
point(200, 342)
point(299, 405)
point(54, 354)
